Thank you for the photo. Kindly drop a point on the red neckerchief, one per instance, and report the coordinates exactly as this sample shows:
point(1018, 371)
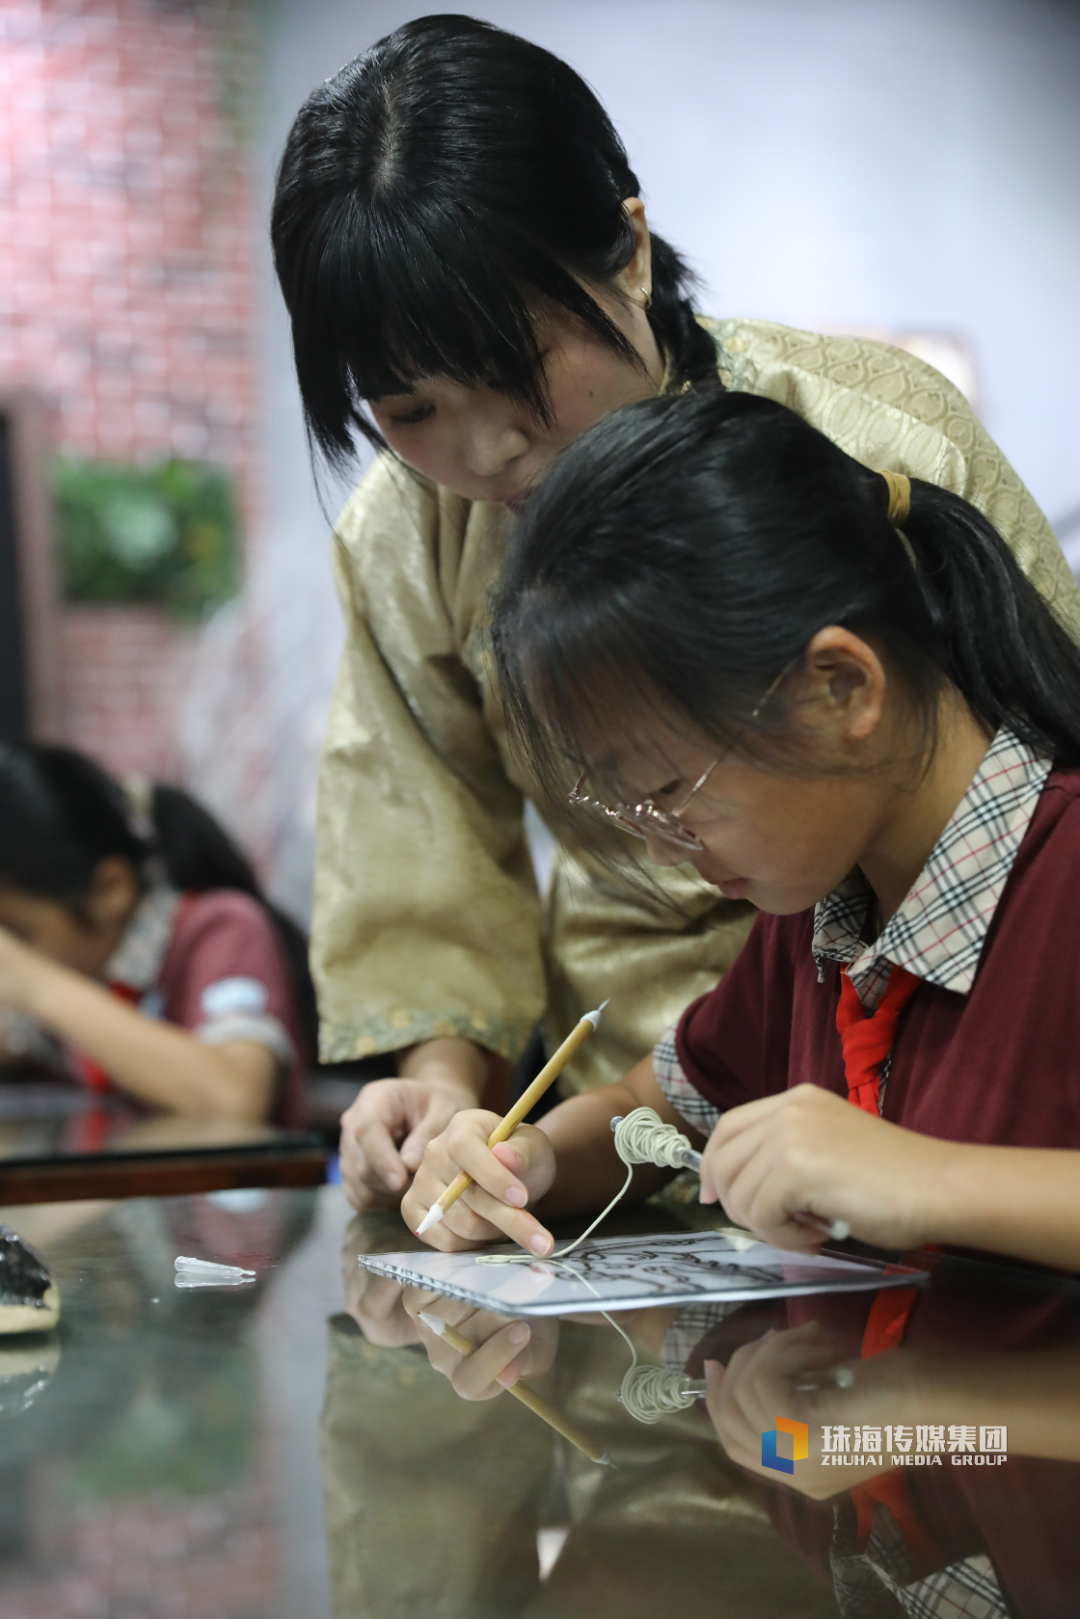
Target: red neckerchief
point(866, 1043)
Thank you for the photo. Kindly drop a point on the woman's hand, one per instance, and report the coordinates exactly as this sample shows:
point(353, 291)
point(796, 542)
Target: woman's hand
point(506, 1178)
point(807, 1150)
point(375, 1170)
point(506, 1350)
point(375, 1302)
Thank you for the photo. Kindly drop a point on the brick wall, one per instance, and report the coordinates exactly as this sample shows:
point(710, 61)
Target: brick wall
point(126, 288)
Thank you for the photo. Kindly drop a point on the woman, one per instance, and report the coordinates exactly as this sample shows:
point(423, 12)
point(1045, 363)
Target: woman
point(472, 282)
point(133, 931)
point(835, 693)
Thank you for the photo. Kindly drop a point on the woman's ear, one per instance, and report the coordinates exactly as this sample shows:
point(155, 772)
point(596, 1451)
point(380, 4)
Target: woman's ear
point(846, 684)
point(114, 892)
point(635, 279)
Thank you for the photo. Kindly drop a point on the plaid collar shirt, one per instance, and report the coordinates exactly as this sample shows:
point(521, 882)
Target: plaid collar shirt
point(940, 929)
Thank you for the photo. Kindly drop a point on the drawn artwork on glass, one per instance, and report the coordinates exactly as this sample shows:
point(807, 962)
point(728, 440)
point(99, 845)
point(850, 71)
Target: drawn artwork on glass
point(626, 1273)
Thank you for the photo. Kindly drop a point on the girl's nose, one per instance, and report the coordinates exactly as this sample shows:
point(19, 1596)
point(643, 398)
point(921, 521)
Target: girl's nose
point(663, 853)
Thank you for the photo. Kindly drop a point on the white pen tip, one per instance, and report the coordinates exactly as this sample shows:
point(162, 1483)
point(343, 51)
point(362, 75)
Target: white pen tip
point(594, 1017)
point(432, 1322)
point(432, 1217)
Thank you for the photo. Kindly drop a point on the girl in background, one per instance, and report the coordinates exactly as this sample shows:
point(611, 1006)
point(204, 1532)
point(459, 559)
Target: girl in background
point(472, 281)
point(134, 931)
point(834, 694)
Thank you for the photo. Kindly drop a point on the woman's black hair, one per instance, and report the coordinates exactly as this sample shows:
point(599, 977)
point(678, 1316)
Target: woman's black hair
point(683, 553)
point(61, 814)
point(428, 194)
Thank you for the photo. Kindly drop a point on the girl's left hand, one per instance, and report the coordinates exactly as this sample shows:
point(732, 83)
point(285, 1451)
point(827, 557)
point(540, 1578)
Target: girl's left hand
point(807, 1150)
point(761, 1383)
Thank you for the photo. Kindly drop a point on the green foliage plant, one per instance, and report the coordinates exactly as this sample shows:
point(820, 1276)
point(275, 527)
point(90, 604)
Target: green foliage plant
point(166, 535)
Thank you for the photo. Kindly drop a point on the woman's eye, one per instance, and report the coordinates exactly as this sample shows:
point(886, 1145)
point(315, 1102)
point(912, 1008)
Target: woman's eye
point(499, 386)
point(669, 791)
point(412, 418)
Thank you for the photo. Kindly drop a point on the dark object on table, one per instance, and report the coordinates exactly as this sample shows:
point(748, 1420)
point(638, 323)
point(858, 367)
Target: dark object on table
point(29, 1298)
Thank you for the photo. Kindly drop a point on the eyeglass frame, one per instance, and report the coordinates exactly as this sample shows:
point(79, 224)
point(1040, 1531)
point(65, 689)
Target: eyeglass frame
point(644, 820)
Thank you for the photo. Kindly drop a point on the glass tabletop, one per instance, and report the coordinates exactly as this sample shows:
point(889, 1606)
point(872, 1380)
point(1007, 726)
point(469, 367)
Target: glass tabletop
point(54, 1123)
point(285, 1447)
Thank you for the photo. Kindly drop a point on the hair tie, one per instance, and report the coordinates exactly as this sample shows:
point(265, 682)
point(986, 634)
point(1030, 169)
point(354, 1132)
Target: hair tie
point(139, 797)
point(899, 487)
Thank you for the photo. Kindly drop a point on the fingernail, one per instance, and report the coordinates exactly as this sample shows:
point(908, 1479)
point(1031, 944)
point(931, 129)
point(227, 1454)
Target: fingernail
point(520, 1334)
point(508, 1376)
point(516, 1195)
point(540, 1243)
point(395, 1182)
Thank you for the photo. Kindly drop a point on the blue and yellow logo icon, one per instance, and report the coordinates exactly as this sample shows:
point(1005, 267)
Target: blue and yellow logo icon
point(784, 1445)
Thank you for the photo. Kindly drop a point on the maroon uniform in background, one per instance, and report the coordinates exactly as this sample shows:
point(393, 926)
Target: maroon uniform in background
point(213, 964)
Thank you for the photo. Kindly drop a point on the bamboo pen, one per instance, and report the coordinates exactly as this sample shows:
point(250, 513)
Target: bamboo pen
point(521, 1108)
point(547, 1413)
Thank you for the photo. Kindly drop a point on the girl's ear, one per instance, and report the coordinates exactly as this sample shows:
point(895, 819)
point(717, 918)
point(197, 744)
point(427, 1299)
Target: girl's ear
point(846, 685)
point(113, 893)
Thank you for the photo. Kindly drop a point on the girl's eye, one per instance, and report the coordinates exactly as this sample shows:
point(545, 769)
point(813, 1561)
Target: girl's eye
point(669, 791)
point(413, 418)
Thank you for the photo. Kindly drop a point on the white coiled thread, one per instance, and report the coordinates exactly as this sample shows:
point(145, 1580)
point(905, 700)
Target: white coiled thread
point(651, 1392)
point(642, 1137)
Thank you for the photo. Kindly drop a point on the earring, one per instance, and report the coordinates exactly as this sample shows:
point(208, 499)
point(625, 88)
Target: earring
point(647, 295)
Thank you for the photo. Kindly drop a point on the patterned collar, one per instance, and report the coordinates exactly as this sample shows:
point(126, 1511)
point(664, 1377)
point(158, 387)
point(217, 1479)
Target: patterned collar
point(139, 957)
point(939, 931)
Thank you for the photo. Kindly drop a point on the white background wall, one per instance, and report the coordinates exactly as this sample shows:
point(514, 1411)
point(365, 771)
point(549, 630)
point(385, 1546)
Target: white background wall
point(904, 164)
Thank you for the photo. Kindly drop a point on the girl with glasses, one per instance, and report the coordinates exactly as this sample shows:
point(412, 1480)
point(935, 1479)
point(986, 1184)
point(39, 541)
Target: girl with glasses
point(837, 696)
point(472, 282)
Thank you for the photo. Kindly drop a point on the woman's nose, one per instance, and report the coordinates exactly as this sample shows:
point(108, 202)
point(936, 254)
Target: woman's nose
point(491, 447)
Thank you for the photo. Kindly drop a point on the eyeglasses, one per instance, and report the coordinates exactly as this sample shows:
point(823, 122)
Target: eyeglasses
point(644, 820)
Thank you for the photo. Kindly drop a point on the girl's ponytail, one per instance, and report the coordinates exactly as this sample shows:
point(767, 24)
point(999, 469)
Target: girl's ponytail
point(1001, 645)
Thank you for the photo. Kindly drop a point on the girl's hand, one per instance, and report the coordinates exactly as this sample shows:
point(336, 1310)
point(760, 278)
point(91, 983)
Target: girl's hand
point(506, 1178)
point(760, 1383)
point(21, 971)
point(506, 1349)
point(807, 1150)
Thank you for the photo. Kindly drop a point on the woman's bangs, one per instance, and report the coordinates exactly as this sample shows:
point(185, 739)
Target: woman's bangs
point(436, 306)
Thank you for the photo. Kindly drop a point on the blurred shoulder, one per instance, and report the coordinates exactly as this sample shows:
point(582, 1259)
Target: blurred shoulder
point(221, 910)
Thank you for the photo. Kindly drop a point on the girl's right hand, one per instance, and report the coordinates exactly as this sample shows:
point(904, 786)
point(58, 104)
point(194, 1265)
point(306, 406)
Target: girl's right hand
point(505, 1179)
point(505, 1349)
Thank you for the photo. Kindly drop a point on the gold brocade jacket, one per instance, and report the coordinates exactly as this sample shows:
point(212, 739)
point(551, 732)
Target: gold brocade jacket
point(427, 918)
